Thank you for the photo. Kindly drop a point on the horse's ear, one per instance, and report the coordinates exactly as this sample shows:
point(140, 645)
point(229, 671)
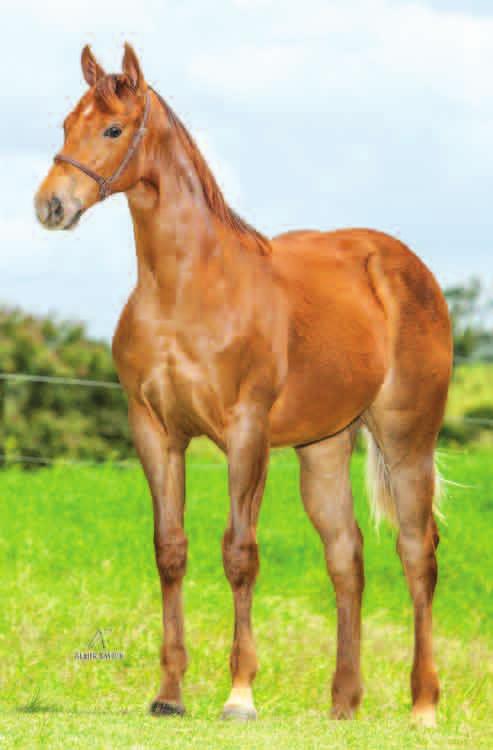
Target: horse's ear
point(91, 69)
point(131, 67)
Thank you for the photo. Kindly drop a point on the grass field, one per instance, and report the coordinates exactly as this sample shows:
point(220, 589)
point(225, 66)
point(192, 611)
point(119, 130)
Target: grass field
point(76, 555)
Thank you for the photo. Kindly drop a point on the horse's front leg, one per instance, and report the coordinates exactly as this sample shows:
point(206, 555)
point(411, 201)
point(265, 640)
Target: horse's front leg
point(248, 450)
point(163, 460)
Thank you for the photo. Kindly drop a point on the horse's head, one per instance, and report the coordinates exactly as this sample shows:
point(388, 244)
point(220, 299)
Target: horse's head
point(100, 154)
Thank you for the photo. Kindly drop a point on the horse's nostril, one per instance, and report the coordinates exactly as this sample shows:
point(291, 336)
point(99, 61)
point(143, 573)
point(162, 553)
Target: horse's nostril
point(50, 211)
point(56, 207)
point(55, 211)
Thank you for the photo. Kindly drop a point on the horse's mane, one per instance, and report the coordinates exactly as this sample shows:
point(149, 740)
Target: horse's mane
point(213, 195)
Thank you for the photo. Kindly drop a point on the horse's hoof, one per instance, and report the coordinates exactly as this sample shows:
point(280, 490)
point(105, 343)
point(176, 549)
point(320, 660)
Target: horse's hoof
point(239, 713)
point(163, 708)
point(424, 717)
point(342, 714)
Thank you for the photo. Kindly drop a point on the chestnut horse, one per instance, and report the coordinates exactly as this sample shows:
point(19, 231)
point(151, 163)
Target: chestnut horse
point(254, 342)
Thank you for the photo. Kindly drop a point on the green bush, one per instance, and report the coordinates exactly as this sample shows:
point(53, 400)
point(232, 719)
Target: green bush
point(55, 420)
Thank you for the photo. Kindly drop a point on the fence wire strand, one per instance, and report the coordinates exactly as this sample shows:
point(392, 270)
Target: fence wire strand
point(20, 376)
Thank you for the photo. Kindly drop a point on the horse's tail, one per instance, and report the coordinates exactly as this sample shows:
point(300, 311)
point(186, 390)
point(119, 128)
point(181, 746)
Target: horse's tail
point(379, 485)
point(378, 475)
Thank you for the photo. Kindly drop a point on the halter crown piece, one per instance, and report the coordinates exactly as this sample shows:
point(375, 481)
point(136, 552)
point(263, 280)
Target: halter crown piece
point(105, 183)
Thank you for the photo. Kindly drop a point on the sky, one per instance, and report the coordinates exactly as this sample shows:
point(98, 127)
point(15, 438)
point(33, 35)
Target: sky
point(312, 113)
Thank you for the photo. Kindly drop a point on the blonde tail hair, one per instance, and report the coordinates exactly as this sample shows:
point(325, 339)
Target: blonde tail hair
point(380, 490)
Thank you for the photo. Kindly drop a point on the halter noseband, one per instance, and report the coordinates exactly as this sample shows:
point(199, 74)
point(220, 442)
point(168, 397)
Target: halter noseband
point(105, 183)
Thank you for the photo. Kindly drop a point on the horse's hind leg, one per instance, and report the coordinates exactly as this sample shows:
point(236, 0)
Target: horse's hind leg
point(326, 494)
point(406, 444)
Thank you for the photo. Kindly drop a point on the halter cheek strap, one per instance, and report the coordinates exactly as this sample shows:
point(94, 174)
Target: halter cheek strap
point(105, 183)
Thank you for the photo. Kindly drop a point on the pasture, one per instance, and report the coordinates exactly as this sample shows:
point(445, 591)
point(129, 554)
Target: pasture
point(76, 556)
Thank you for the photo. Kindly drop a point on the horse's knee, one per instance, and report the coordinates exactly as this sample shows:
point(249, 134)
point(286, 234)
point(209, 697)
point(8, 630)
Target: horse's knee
point(241, 559)
point(174, 657)
point(171, 556)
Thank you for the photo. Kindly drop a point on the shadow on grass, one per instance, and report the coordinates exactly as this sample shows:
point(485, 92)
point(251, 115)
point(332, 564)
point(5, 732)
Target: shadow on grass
point(51, 709)
point(36, 706)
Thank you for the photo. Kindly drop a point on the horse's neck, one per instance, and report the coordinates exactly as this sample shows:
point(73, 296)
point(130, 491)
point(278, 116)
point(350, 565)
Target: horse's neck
point(184, 251)
point(182, 247)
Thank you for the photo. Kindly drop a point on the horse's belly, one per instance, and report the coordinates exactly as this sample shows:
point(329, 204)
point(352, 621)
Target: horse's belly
point(327, 391)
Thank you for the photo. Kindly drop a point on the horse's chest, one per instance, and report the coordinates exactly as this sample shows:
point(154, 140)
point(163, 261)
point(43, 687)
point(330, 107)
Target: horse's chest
point(178, 374)
point(183, 377)
point(181, 389)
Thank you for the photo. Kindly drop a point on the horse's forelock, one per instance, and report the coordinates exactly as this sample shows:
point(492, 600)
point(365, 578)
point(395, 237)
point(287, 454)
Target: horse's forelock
point(110, 90)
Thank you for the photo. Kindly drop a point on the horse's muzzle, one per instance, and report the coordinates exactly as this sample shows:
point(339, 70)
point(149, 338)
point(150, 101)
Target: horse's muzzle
point(54, 213)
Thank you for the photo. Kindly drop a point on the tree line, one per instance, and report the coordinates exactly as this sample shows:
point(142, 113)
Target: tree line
point(471, 309)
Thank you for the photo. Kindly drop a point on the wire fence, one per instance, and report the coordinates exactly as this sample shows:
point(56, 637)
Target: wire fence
point(9, 459)
point(22, 377)
point(125, 463)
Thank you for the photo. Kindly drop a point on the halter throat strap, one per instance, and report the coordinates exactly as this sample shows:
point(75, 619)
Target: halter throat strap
point(105, 183)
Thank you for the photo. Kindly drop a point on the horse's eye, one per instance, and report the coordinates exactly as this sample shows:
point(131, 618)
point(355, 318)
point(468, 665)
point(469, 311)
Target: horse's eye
point(113, 131)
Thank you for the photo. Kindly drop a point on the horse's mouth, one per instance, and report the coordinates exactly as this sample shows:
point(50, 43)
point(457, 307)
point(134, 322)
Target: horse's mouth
point(74, 220)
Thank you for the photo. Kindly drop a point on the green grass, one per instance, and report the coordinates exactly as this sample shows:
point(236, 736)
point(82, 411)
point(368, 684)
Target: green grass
point(76, 555)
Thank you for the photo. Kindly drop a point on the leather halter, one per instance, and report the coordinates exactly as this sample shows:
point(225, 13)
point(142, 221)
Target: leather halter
point(105, 183)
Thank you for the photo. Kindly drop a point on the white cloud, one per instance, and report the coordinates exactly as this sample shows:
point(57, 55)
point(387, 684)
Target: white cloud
point(246, 70)
point(92, 15)
point(365, 47)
